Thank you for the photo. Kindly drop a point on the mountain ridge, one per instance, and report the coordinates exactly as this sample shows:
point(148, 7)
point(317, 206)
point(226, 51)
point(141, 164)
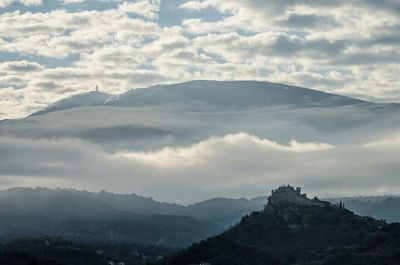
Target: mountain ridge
point(207, 93)
point(219, 209)
point(153, 127)
point(84, 217)
point(294, 230)
point(289, 220)
point(139, 204)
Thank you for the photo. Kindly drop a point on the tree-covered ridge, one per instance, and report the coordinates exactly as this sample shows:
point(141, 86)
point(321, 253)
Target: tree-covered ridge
point(287, 232)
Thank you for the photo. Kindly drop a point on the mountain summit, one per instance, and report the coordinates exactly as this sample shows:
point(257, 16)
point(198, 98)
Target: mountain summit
point(295, 230)
point(208, 94)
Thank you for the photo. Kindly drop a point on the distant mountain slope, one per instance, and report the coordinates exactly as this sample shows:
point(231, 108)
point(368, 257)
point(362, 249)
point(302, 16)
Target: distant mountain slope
point(130, 218)
point(93, 98)
point(222, 207)
point(187, 113)
point(384, 207)
point(31, 213)
point(208, 94)
point(212, 211)
point(295, 230)
point(229, 93)
point(93, 218)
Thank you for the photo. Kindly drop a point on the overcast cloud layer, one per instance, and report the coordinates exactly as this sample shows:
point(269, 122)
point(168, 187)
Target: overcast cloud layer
point(51, 49)
point(233, 165)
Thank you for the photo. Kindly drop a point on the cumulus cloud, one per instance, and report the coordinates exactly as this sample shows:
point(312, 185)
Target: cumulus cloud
point(196, 5)
point(201, 153)
point(20, 66)
point(5, 3)
point(232, 165)
point(309, 21)
point(145, 8)
point(337, 46)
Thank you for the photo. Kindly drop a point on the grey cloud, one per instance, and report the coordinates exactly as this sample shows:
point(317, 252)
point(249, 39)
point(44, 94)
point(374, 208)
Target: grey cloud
point(309, 21)
point(368, 58)
point(283, 41)
point(77, 44)
point(288, 45)
point(272, 45)
point(146, 77)
point(385, 40)
point(278, 7)
point(326, 47)
point(12, 81)
point(330, 79)
point(20, 66)
point(233, 165)
point(385, 35)
point(392, 6)
point(46, 85)
point(271, 7)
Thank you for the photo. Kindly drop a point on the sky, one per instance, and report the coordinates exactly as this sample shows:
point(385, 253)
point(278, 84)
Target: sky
point(52, 49)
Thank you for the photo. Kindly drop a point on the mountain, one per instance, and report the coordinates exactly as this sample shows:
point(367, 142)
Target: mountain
point(187, 113)
point(93, 98)
point(229, 94)
point(205, 94)
point(75, 216)
point(29, 198)
point(115, 218)
point(293, 229)
point(290, 229)
point(383, 207)
point(224, 212)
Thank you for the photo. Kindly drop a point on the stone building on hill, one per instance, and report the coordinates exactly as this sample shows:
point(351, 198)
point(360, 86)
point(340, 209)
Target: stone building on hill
point(288, 193)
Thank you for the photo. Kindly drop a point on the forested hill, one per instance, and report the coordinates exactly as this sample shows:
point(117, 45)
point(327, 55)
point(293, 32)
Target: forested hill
point(298, 231)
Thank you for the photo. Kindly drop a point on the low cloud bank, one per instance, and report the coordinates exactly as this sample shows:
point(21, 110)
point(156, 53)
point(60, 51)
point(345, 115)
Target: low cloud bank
point(233, 165)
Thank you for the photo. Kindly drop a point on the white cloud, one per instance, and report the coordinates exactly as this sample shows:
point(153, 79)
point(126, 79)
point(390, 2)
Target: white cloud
point(5, 3)
point(200, 154)
point(20, 66)
point(337, 46)
point(60, 33)
point(233, 165)
point(146, 8)
point(196, 5)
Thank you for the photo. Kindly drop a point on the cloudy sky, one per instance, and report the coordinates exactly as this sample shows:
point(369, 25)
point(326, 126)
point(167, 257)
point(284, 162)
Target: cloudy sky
point(51, 49)
point(234, 165)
